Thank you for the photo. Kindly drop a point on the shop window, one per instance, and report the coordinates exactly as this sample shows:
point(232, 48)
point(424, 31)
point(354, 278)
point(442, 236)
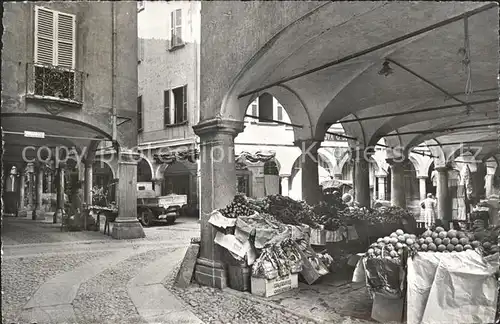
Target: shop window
point(270, 168)
point(242, 183)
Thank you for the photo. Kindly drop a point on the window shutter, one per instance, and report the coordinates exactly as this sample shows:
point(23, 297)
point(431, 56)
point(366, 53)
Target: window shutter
point(66, 40)
point(280, 113)
point(166, 107)
point(172, 29)
point(44, 36)
point(255, 111)
point(185, 103)
point(178, 27)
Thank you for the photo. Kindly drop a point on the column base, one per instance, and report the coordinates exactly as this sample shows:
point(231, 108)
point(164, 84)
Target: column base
point(37, 214)
point(210, 273)
point(126, 230)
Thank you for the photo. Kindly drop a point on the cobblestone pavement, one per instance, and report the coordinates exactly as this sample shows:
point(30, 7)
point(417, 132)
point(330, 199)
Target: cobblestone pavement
point(39, 260)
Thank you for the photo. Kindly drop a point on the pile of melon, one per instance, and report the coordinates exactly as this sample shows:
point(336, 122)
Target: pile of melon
point(392, 246)
point(440, 240)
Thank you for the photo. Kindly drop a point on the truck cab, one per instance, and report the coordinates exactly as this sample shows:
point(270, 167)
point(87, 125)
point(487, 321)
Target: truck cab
point(152, 208)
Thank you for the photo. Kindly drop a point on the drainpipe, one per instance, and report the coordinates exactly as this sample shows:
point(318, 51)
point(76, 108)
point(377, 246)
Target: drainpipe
point(113, 59)
point(197, 32)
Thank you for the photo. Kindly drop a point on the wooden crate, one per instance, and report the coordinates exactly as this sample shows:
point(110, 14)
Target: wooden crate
point(239, 277)
point(267, 288)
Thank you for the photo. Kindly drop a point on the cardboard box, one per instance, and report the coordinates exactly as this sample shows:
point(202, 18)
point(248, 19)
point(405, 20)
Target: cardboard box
point(300, 232)
point(318, 236)
point(385, 310)
point(267, 288)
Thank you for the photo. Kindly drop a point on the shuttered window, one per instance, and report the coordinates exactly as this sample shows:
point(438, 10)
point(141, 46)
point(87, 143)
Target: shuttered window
point(279, 113)
point(176, 28)
point(54, 38)
point(166, 107)
point(180, 104)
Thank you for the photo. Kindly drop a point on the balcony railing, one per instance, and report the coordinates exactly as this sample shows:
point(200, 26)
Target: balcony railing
point(54, 83)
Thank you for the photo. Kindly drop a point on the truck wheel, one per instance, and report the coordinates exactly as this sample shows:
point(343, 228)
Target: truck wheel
point(146, 218)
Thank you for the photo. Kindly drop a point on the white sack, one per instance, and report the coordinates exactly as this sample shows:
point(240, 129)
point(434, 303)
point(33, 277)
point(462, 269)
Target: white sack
point(451, 288)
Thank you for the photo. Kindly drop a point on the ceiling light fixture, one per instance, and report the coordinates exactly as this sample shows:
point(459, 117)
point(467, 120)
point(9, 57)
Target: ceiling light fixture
point(386, 69)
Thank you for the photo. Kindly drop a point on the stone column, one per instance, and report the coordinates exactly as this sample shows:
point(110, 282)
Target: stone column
point(21, 211)
point(38, 211)
point(361, 177)
point(285, 185)
point(59, 213)
point(443, 197)
point(311, 192)
point(422, 182)
point(88, 183)
point(127, 225)
point(381, 180)
point(488, 185)
point(30, 170)
point(398, 198)
point(218, 183)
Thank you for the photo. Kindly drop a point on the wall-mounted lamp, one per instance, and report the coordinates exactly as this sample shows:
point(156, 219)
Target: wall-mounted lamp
point(386, 69)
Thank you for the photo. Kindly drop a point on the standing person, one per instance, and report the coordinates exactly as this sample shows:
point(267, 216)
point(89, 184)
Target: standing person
point(429, 206)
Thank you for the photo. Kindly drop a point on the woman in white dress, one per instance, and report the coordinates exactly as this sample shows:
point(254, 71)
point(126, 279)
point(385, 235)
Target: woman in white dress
point(429, 205)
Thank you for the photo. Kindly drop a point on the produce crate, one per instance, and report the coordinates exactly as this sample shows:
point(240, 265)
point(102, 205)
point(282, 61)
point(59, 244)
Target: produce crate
point(267, 288)
point(239, 277)
point(318, 236)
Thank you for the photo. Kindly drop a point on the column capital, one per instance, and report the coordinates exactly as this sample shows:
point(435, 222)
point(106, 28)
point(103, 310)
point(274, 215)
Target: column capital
point(381, 175)
point(285, 175)
point(422, 177)
point(218, 125)
point(396, 161)
point(442, 169)
point(361, 154)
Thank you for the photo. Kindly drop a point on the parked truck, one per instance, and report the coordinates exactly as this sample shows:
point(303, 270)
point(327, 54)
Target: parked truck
point(152, 208)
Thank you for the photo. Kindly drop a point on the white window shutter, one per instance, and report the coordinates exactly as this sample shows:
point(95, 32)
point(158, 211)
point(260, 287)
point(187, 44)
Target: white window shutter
point(178, 27)
point(172, 29)
point(45, 31)
point(66, 40)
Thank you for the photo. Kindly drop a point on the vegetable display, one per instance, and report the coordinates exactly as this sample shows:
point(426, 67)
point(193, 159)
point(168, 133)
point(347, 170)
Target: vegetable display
point(392, 247)
point(238, 207)
point(278, 259)
point(289, 211)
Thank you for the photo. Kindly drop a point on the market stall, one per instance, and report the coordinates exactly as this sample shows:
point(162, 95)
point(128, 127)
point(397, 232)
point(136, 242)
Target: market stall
point(436, 277)
point(277, 241)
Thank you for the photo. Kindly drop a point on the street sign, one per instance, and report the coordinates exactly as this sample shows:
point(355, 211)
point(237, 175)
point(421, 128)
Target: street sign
point(34, 134)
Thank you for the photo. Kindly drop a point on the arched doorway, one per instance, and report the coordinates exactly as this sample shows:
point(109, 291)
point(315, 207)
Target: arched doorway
point(144, 173)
